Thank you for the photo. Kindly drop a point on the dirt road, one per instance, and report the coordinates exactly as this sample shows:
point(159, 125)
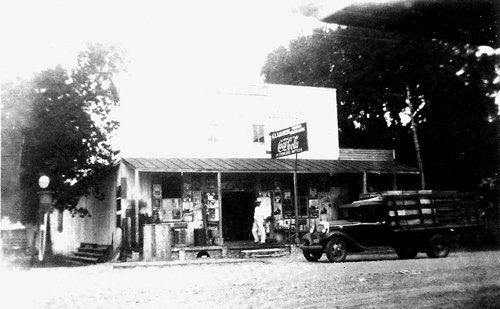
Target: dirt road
point(463, 280)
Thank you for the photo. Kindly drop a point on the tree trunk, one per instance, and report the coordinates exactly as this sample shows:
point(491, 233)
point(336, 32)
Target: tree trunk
point(415, 136)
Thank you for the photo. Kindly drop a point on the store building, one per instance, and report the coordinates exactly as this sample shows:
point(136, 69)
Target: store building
point(203, 187)
point(194, 180)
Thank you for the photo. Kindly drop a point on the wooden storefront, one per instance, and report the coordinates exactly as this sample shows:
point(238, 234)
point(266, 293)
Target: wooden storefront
point(189, 208)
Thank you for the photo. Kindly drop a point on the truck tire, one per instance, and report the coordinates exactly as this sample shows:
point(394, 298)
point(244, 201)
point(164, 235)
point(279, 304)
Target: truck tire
point(438, 247)
point(336, 250)
point(312, 256)
point(406, 252)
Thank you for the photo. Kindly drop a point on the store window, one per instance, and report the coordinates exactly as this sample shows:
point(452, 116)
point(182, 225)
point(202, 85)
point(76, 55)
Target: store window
point(118, 206)
point(258, 133)
point(167, 193)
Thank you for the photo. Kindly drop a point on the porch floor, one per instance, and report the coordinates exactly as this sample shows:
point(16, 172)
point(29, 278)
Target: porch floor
point(248, 248)
point(250, 244)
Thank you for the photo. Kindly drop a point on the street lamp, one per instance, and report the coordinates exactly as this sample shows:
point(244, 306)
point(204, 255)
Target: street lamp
point(45, 197)
point(44, 182)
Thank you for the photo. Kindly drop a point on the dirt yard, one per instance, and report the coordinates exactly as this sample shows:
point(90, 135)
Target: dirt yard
point(463, 280)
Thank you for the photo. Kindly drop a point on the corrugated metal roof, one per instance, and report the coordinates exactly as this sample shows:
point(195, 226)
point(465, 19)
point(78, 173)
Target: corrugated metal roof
point(366, 154)
point(267, 166)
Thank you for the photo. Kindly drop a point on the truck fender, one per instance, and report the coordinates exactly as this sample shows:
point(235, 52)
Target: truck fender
point(352, 245)
point(307, 238)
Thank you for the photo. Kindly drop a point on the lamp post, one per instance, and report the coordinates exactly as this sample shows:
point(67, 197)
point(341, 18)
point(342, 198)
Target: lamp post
point(45, 197)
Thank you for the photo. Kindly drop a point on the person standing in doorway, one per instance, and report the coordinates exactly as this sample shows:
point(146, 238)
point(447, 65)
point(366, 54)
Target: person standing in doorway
point(258, 222)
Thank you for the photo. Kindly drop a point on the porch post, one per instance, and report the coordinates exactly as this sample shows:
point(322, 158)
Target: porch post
point(394, 181)
point(136, 206)
point(296, 194)
point(219, 194)
point(365, 180)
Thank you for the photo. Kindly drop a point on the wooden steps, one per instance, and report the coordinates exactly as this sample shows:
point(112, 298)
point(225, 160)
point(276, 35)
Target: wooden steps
point(89, 253)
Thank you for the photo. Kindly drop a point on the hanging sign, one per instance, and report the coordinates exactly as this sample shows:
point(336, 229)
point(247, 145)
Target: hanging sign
point(289, 141)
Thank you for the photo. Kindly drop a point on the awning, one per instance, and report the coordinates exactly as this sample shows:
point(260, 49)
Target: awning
point(267, 166)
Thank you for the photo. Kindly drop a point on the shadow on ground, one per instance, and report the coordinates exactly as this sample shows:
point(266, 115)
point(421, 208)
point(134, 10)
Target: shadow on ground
point(487, 297)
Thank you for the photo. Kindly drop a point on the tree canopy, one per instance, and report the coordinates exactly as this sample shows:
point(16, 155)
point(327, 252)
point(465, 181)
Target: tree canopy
point(61, 122)
point(375, 73)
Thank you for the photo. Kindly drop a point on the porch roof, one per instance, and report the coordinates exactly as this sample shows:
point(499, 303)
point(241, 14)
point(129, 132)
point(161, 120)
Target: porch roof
point(237, 165)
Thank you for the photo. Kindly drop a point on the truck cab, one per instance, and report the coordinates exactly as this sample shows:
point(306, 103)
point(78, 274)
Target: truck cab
point(366, 223)
point(362, 224)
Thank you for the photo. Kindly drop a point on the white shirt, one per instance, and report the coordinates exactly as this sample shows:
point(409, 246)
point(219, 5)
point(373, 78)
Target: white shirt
point(260, 213)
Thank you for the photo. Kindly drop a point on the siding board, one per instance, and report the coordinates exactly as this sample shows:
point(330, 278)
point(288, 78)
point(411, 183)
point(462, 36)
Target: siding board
point(366, 154)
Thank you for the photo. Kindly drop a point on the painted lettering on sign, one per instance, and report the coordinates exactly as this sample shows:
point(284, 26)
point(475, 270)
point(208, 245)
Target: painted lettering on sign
point(288, 144)
point(289, 141)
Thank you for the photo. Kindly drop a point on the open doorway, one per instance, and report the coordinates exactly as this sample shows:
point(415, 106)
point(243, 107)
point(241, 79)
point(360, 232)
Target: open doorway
point(237, 215)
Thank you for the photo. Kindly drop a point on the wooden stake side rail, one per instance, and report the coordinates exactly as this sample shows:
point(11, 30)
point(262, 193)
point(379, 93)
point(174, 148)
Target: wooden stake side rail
point(412, 209)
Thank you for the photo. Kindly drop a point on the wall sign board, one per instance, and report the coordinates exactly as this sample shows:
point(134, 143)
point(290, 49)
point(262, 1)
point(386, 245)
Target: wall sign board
point(289, 141)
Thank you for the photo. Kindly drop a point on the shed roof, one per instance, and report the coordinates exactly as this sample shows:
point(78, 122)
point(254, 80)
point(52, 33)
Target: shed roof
point(237, 165)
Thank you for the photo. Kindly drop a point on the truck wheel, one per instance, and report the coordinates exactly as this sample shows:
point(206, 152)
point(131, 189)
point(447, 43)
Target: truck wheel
point(336, 250)
point(312, 256)
point(406, 252)
point(438, 247)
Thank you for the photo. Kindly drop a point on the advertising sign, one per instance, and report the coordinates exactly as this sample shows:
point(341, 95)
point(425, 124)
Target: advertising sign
point(289, 141)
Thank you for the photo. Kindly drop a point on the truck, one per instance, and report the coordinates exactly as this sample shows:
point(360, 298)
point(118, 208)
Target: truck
point(408, 221)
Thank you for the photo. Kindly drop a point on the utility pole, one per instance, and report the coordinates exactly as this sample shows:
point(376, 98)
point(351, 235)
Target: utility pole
point(415, 136)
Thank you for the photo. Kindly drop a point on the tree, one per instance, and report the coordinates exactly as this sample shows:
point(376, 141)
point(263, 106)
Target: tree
point(15, 106)
point(66, 125)
point(379, 75)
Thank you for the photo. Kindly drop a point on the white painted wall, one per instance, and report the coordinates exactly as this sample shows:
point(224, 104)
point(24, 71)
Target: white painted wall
point(183, 129)
point(98, 228)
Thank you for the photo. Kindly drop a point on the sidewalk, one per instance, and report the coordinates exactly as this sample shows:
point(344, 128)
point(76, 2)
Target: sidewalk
point(200, 261)
point(207, 261)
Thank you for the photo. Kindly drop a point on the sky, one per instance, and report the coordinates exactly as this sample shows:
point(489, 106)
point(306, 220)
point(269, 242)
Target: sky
point(218, 40)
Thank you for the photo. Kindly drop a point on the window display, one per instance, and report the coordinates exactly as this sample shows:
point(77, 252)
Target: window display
point(197, 206)
point(191, 199)
point(171, 209)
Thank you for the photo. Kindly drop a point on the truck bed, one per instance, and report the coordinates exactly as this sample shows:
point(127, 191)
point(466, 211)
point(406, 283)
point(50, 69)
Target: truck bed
point(432, 209)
